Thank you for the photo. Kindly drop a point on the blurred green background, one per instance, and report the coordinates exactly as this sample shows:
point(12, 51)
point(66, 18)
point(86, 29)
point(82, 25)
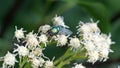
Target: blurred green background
point(30, 14)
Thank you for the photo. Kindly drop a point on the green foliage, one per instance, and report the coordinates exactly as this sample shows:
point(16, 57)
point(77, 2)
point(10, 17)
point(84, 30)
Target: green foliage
point(116, 38)
point(4, 47)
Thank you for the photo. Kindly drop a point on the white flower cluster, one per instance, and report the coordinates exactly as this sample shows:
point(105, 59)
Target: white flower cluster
point(90, 38)
point(33, 49)
point(29, 47)
point(96, 43)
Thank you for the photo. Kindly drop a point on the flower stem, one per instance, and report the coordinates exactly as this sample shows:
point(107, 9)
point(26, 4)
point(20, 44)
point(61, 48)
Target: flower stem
point(63, 63)
point(67, 54)
point(68, 57)
point(20, 63)
point(73, 57)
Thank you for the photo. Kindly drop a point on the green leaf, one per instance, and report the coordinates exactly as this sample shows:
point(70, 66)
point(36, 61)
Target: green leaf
point(116, 39)
point(4, 47)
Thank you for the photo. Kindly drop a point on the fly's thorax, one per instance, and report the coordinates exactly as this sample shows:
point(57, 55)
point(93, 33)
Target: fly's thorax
point(54, 30)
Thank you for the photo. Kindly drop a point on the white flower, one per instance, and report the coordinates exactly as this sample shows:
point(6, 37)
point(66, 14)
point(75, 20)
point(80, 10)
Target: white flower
point(61, 40)
point(93, 56)
point(9, 59)
point(74, 42)
point(22, 50)
point(31, 40)
point(104, 46)
point(103, 54)
point(93, 26)
point(35, 63)
point(89, 46)
point(31, 56)
point(44, 28)
point(43, 38)
point(86, 28)
point(58, 20)
point(37, 52)
point(36, 58)
point(83, 28)
point(42, 61)
point(49, 64)
point(19, 33)
point(107, 39)
point(79, 66)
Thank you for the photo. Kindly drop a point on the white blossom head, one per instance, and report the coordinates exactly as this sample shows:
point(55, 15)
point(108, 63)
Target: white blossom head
point(22, 50)
point(90, 27)
point(35, 63)
point(61, 40)
point(19, 33)
point(43, 38)
point(74, 42)
point(79, 66)
point(93, 56)
point(103, 54)
point(49, 64)
point(31, 56)
point(98, 47)
point(42, 61)
point(58, 20)
point(37, 52)
point(44, 28)
point(31, 40)
point(107, 39)
point(96, 43)
point(89, 46)
point(9, 59)
point(104, 46)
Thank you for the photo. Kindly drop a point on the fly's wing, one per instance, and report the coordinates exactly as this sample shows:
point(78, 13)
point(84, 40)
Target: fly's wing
point(64, 31)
